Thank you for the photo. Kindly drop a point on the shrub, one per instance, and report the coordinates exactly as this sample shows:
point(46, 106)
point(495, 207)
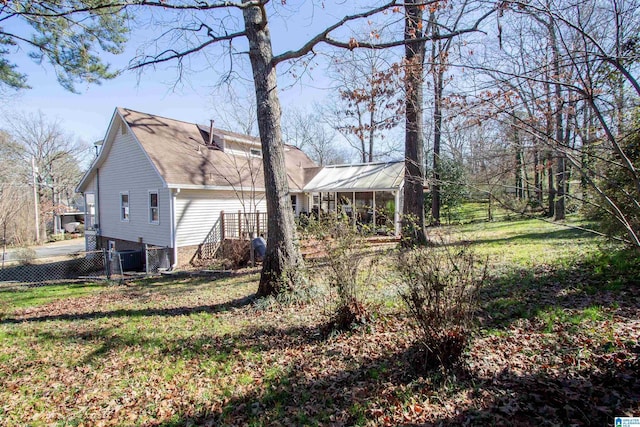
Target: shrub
point(440, 289)
point(56, 237)
point(615, 184)
point(341, 243)
point(236, 252)
point(25, 255)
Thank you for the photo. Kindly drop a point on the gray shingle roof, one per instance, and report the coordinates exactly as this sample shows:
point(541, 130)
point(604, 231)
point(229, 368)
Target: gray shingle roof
point(180, 152)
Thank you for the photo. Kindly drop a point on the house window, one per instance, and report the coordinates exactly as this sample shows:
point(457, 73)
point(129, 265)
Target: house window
point(256, 152)
point(294, 202)
point(90, 211)
point(154, 209)
point(124, 206)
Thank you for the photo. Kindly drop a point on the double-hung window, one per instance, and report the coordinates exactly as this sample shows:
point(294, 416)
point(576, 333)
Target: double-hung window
point(124, 206)
point(154, 208)
point(90, 211)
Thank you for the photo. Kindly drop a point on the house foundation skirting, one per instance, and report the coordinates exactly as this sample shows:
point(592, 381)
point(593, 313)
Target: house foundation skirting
point(125, 245)
point(120, 244)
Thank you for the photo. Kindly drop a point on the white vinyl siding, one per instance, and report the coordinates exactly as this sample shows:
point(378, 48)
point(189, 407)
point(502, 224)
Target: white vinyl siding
point(128, 169)
point(198, 211)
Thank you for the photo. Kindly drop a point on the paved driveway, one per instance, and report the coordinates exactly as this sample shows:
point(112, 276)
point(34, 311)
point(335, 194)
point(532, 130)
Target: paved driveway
point(64, 247)
point(54, 249)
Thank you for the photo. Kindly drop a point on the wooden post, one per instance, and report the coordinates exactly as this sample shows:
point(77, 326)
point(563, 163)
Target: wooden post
point(258, 223)
point(36, 202)
point(239, 224)
point(373, 208)
point(222, 228)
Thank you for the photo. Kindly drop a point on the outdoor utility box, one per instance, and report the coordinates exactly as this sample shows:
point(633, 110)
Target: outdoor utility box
point(131, 260)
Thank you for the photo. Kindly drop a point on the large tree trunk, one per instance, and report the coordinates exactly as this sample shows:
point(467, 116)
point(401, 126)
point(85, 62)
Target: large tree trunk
point(438, 88)
point(559, 212)
point(551, 197)
point(519, 149)
point(537, 175)
point(283, 264)
point(413, 207)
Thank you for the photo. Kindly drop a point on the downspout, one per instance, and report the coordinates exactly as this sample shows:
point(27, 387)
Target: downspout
point(97, 220)
point(173, 229)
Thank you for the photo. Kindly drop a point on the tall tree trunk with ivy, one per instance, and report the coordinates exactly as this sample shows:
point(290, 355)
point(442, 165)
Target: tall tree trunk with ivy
point(413, 207)
point(282, 269)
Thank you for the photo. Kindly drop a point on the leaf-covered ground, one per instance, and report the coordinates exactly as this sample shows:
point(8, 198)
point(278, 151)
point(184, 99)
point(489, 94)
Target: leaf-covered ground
point(557, 344)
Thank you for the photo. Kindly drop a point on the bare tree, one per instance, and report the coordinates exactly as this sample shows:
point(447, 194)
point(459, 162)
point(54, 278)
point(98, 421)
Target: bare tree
point(311, 133)
point(440, 17)
point(56, 157)
point(413, 207)
point(369, 100)
point(239, 112)
point(16, 217)
point(566, 77)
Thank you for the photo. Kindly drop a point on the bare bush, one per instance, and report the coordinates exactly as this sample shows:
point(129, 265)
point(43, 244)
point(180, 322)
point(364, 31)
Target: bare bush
point(236, 253)
point(25, 255)
point(341, 243)
point(440, 289)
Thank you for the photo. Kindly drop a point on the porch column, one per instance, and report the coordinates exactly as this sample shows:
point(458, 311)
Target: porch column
point(396, 214)
point(354, 218)
point(374, 211)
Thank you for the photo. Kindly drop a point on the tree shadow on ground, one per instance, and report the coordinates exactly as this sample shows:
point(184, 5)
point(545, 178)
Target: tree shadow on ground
point(207, 345)
point(608, 281)
point(132, 313)
point(191, 277)
point(385, 391)
point(590, 398)
point(322, 383)
point(564, 235)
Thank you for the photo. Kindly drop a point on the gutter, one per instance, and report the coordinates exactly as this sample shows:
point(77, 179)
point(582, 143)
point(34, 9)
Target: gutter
point(173, 235)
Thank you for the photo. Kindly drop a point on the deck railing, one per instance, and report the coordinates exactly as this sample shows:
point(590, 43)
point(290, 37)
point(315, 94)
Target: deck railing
point(242, 225)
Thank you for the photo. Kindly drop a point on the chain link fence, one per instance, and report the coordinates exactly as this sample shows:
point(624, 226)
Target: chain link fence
point(102, 264)
point(157, 259)
point(82, 265)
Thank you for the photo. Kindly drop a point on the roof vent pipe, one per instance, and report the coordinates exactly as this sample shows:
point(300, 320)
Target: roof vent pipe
point(211, 132)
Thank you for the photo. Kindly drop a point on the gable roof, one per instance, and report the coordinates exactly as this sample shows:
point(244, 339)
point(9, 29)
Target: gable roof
point(360, 177)
point(181, 154)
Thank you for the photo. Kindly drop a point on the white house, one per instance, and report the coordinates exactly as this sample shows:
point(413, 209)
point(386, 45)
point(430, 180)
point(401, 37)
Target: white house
point(164, 182)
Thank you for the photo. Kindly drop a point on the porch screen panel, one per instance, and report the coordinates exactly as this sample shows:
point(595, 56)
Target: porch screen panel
point(364, 207)
point(385, 209)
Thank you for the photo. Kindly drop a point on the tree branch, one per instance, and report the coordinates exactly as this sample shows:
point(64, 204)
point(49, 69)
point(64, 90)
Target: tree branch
point(323, 37)
point(172, 54)
point(200, 5)
point(324, 34)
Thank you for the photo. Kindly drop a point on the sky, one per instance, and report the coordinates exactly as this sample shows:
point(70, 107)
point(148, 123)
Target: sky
point(86, 115)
